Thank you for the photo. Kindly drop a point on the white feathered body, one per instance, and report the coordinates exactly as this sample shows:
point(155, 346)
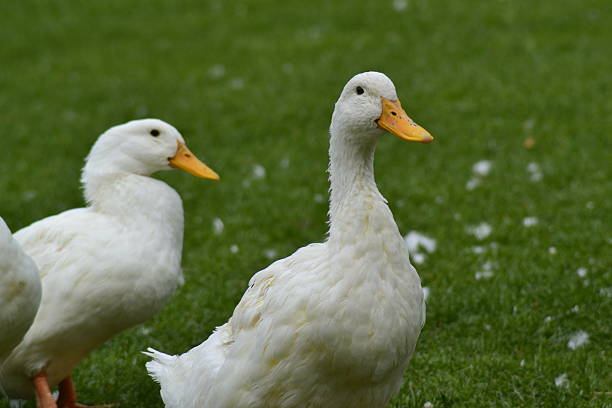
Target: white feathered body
point(104, 268)
point(20, 292)
point(333, 325)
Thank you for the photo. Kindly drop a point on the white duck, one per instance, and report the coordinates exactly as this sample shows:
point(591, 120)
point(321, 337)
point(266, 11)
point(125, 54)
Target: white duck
point(20, 292)
point(108, 266)
point(334, 324)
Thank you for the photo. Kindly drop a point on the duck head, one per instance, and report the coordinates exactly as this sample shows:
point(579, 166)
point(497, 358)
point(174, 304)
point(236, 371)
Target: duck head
point(368, 106)
point(144, 147)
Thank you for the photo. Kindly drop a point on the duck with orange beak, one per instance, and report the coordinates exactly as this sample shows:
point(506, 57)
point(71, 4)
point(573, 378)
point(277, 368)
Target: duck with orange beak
point(105, 267)
point(336, 323)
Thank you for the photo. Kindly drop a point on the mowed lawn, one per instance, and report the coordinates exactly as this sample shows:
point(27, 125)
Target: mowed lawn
point(523, 86)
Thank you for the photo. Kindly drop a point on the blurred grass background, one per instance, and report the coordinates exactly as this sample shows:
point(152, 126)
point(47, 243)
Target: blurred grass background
point(252, 83)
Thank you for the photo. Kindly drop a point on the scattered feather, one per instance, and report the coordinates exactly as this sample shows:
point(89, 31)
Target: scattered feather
point(606, 292)
point(428, 405)
point(486, 271)
point(400, 5)
point(578, 339)
point(552, 250)
point(218, 226)
point(216, 71)
point(480, 231)
point(319, 198)
point(582, 272)
point(472, 183)
point(416, 240)
point(483, 275)
point(530, 221)
point(418, 258)
point(562, 381)
point(284, 163)
point(234, 249)
point(259, 171)
point(270, 253)
point(482, 168)
point(478, 249)
point(535, 174)
point(426, 292)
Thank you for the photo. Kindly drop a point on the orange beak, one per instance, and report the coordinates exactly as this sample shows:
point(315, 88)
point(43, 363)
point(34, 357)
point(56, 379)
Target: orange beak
point(395, 120)
point(187, 161)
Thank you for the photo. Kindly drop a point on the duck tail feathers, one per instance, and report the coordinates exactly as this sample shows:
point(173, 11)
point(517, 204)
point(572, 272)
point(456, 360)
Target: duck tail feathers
point(166, 370)
point(160, 365)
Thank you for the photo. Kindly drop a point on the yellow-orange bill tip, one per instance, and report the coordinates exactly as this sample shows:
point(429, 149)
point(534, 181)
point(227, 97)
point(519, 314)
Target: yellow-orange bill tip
point(187, 161)
point(395, 120)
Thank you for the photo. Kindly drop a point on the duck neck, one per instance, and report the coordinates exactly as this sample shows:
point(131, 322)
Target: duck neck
point(135, 198)
point(354, 195)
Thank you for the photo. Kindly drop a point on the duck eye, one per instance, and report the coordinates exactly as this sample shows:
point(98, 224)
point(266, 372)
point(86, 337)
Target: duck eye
point(359, 90)
point(154, 132)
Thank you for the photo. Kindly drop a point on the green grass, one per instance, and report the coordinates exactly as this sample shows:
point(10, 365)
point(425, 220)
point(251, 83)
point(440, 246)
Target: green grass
point(480, 76)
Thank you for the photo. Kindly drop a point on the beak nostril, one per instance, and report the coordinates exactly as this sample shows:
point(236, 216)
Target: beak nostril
point(187, 155)
point(393, 113)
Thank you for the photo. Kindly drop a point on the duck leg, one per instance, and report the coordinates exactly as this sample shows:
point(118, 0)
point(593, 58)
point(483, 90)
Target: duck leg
point(68, 397)
point(44, 399)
